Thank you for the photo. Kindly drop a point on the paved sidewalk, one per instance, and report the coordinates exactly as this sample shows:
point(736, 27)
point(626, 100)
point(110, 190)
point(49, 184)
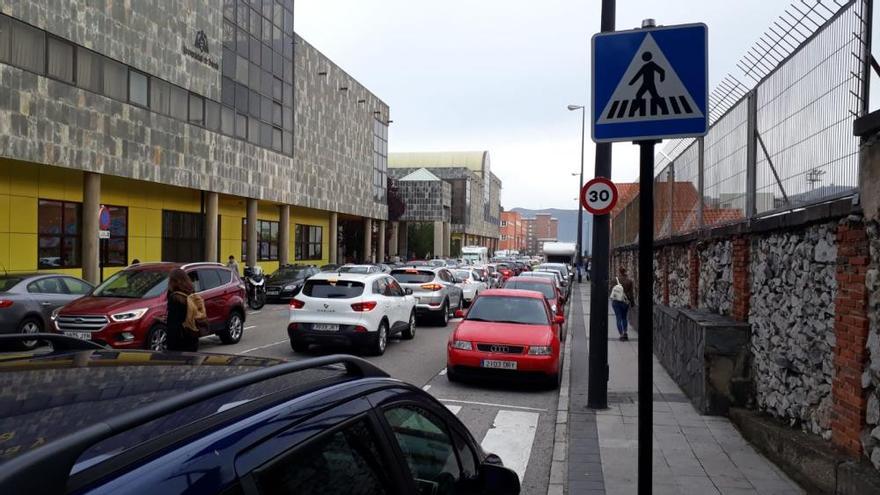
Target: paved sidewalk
point(693, 454)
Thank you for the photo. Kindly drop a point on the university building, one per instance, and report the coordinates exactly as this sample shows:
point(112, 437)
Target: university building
point(203, 128)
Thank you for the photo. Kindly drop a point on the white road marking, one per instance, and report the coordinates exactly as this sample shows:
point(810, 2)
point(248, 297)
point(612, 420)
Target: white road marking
point(254, 312)
point(249, 327)
point(453, 409)
point(442, 372)
point(265, 346)
point(504, 406)
point(511, 438)
point(426, 388)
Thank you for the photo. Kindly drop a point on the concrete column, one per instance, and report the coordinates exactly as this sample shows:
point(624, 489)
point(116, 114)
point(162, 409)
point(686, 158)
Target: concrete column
point(91, 226)
point(380, 249)
point(251, 253)
point(402, 240)
point(447, 239)
point(438, 240)
point(212, 225)
point(283, 234)
point(392, 241)
point(334, 237)
point(367, 256)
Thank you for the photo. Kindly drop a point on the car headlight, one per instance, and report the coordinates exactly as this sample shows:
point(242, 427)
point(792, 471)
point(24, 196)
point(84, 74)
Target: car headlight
point(132, 315)
point(553, 308)
point(290, 287)
point(540, 350)
point(462, 345)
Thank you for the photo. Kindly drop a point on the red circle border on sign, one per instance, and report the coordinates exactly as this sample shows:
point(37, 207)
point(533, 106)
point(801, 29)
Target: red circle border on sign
point(599, 180)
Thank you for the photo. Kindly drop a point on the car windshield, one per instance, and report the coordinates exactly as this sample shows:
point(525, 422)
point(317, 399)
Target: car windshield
point(412, 276)
point(462, 274)
point(354, 269)
point(509, 309)
point(288, 273)
point(134, 284)
point(329, 289)
point(546, 289)
point(7, 283)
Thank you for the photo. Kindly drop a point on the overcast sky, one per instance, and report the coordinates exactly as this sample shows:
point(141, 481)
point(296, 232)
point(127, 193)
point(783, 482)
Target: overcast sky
point(497, 74)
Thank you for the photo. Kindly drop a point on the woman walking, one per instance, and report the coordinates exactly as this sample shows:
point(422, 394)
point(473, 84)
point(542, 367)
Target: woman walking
point(622, 297)
point(179, 338)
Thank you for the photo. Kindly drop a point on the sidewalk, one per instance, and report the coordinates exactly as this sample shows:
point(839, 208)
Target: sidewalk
point(693, 454)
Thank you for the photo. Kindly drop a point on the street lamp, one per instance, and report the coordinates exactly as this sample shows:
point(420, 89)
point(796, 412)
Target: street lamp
point(572, 108)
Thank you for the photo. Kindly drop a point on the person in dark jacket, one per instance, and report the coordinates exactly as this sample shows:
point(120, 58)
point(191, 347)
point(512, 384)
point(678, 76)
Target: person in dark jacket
point(179, 338)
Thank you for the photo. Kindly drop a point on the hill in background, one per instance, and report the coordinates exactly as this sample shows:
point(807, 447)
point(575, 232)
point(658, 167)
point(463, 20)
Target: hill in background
point(567, 223)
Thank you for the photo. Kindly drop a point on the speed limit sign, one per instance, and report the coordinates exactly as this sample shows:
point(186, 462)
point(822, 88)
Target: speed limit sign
point(599, 196)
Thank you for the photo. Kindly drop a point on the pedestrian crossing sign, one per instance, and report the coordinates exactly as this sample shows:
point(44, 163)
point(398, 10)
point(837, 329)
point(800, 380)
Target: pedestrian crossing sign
point(650, 83)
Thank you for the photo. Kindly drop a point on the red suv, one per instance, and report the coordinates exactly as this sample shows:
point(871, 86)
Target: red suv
point(128, 310)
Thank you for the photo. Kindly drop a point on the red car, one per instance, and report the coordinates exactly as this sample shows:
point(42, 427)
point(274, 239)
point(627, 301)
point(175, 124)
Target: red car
point(542, 285)
point(505, 271)
point(128, 310)
point(507, 332)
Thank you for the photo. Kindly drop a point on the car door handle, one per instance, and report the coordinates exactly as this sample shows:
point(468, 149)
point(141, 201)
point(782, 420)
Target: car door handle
point(46, 303)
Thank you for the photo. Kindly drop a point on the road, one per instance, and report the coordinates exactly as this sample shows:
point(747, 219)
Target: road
point(517, 424)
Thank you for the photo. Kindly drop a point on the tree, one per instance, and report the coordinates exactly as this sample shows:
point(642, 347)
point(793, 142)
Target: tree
point(396, 205)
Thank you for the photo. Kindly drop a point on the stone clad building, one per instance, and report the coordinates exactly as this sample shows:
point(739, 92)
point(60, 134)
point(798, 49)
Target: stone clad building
point(207, 129)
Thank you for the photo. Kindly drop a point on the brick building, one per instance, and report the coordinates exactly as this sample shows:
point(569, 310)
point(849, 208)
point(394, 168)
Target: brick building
point(513, 232)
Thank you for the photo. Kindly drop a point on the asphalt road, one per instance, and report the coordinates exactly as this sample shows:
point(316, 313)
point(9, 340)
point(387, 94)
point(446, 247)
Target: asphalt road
point(515, 422)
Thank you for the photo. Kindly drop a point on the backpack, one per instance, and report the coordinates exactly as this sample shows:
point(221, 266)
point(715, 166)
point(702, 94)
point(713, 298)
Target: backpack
point(617, 292)
point(196, 317)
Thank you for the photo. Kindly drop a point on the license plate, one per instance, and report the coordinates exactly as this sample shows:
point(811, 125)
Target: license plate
point(273, 292)
point(79, 335)
point(323, 327)
point(494, 363)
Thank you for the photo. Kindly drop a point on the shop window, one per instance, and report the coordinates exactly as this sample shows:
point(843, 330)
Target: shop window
point(60, 60)
point(182, 236)
point(267, 240)
point(308, 242)
point(114, 252)
point(138, 87)
point(89, 70)
point(59, 231)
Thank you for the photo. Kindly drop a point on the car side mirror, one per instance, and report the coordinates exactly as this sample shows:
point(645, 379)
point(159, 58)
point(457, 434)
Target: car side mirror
point(459, 313)
point(498, 480)
point(407, 291)
point(559, 319)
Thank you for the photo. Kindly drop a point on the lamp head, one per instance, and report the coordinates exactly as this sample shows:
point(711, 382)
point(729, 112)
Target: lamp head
point(574, 107)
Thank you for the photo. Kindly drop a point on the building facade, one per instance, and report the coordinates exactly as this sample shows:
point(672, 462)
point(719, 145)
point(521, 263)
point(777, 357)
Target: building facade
point(206, 129)
point(513, 232)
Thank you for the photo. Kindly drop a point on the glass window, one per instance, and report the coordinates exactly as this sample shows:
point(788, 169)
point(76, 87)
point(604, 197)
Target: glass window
point(59, 234)
point(256, 25)
point(5, 37)
point(89, 70)
point(241, 97)
point(28, 47)
point(208, 279)
point(241, 126)
point(277, 87)
point(179, 102)
point(288, 21)
point(267, 240)
point(254, 51)
point(241, 42)
point(137, 88)
point(242, 12)
point(76, 286)
point(134, 284)
point(278, 65)
point(288, 95)
point(288, 47)
point(253, 134)
point(229, 9)
point(265, 135)
point(115, 80)
point(160, 96)
point(517, 310)
point(227, 92)
point(266, 108)
point(267, 81)
point(227, 121)
point(48, 285)
point(287, 118)
point(276, 113)
point(115, 250)
point(224, 275)
point(228, 63)
point(228, 34)
point(60, 60)
point(241, 70)
point(267, 32)
point(307, 242)
point(267, 58)
point(182, 236)
point(196, 109)
point(254, 104)
point(426, 446)
point(287, 143)
point(212, 115)
point(276, 139)
point(255, 76)
point(342, 289)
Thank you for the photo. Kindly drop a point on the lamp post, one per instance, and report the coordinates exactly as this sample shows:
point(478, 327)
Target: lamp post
point(580, 184)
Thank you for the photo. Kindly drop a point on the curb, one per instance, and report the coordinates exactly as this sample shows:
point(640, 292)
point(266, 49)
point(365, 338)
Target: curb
point(559, 464)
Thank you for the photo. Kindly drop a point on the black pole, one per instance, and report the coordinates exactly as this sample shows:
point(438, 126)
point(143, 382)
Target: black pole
point(597, 386)
point(580, 239)
point(646, 311)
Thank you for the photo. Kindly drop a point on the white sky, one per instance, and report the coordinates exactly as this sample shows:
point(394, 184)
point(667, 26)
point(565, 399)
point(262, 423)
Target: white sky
point(497, 74)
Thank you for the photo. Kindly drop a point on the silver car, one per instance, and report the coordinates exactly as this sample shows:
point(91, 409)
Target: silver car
point(437, 296)
point(471, 283)
point(28, 300)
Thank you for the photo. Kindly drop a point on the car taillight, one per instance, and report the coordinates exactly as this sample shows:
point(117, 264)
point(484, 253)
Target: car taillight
point(296, 304)
point(432, 287)
point(363, 307)
point(5, 303)
point(360, 329)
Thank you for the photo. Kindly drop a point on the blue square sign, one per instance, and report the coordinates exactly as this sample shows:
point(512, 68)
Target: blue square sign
point(650, 84)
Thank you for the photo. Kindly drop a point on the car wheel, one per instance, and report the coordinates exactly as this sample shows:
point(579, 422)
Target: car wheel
point(29, 326)
point(450, 375)
point(443, 316)
point(231, 333)
point(410, 331)
point(381, 343)
point(299, 346)
point(157, 339)
point(554, 380)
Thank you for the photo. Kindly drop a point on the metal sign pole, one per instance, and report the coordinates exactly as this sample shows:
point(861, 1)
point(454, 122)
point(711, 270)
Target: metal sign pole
point(646, 313)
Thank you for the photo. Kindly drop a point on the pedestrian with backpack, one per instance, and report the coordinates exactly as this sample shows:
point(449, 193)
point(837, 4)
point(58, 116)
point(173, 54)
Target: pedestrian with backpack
point(182, 313)
point(621, 299)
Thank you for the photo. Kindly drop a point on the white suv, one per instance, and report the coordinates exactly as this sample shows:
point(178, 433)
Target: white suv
point(360, 310)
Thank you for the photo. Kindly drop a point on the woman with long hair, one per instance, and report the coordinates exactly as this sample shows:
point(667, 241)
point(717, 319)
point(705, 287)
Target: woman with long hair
point(179, 338)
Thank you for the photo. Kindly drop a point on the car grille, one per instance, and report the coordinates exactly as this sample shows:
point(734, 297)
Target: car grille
point(81, 323)
point(501, 348)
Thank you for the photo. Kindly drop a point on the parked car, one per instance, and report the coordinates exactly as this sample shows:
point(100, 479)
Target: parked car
point(359, 310)
point(470, 283)
point(364, 268)
point(27, 301)
point(128, 310)
point(436, 294)
point(564, 280)
point(221, 424)
point(506, 271)
point(554, 277)
point(437, 263)
point(545, 286)
point(330, 267)
point(507, 333)
point(287, 281)
point(494, 276)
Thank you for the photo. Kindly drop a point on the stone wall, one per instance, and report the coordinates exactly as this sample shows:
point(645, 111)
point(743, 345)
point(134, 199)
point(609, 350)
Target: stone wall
point(678, 276)
point(659, 276)
point(871, 377)
point(716, 277)
point(426, 200)
point(793, 288)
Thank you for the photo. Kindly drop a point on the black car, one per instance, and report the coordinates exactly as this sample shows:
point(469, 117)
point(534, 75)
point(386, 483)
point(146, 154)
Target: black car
point(143, 422)
point(287, 281)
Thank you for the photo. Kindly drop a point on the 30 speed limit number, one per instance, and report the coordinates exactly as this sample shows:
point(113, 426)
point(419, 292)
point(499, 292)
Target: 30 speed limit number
point(599, 196)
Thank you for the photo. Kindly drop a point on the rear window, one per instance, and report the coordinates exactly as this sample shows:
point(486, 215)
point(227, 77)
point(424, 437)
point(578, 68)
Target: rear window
point(412, 276)
point(328, 289)
point(545, 289)
point(506, 309)
point(462, 274)
point(7, 283)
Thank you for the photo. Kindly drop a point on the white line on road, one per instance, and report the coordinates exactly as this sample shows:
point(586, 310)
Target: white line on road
point(511, 438)
point(265, 346)
point(442, 372)
point(426, 388)
point(506, 406)
point(249, 327)
point(453, 409)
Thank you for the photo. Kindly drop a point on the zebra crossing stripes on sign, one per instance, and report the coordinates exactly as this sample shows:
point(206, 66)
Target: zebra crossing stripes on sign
point(650, 83)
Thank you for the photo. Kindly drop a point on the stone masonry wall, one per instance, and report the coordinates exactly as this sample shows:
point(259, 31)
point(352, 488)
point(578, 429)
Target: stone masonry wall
point(659, 276)
point(678, 275)
point(716, 277)
point(793, 288)
point(870, 436)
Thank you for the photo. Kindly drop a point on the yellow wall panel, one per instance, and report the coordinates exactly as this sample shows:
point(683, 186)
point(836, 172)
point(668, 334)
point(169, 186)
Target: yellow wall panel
point(4, 251)
point(23, 252)
point(4, 213)
point(137, 248)
point(153, 223)
point(5, 166)
point(51, 183)
point(268, 266)
point(137, 222)
point(24, 219)
point(152, 249)
point(307, 216)
point(230, 227)
point(117, 191)
point(23, 179)
point(268, 211)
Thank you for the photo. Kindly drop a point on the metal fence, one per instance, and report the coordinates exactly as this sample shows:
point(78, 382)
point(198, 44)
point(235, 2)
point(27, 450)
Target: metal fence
point(783, 144)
